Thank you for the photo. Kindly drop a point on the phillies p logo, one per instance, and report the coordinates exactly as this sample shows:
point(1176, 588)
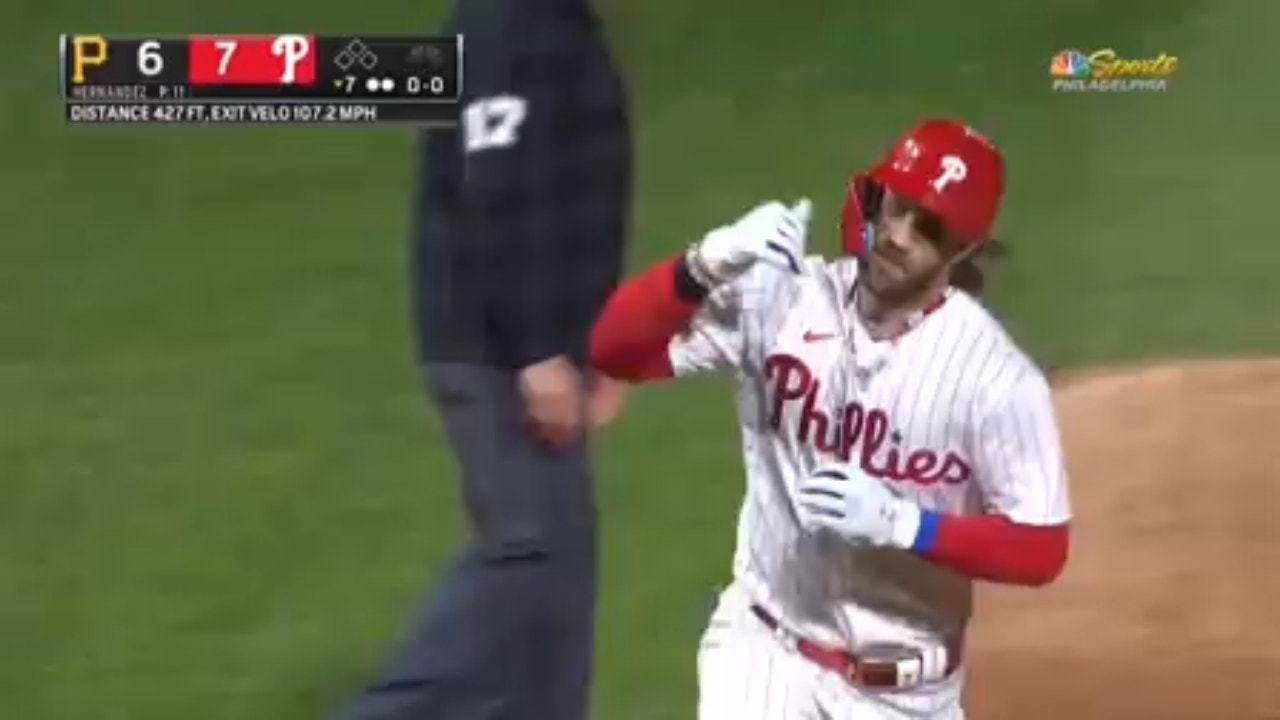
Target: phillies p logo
point(953, 170)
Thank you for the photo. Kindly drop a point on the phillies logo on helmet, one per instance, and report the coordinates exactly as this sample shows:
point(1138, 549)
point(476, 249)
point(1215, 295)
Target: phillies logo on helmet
point(942, 166)
point(953, 171)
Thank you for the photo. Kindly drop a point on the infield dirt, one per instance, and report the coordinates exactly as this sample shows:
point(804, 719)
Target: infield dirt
point(1170, 606)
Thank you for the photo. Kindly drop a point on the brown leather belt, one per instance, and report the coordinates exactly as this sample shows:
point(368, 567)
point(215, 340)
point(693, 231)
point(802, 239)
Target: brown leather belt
point(881, 667)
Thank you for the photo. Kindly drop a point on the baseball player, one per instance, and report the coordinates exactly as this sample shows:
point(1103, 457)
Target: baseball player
point(898, 444)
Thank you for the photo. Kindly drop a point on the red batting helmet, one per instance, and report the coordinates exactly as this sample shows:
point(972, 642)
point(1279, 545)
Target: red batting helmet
point(942, 166)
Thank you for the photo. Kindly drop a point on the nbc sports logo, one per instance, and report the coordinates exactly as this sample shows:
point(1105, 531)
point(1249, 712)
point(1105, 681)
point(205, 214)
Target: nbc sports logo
point(1070, 64)
point(1107, 71)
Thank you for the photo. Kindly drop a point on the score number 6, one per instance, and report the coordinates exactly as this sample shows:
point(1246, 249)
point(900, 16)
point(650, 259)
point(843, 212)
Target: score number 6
point(150, 61)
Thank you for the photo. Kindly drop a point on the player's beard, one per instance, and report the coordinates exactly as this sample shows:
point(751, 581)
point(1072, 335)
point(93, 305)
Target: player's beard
point(892, 284)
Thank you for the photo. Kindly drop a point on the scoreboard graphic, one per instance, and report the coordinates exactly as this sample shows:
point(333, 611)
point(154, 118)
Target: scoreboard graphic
point(282, 79)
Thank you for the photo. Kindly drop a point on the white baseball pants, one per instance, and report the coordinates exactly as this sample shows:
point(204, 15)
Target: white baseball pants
point(745, 672)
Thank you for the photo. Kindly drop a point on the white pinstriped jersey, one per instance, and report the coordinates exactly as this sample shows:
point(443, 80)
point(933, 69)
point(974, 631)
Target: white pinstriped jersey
point(951, 413)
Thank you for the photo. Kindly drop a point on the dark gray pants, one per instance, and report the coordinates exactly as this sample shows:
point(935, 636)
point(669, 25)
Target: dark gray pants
point(509, 632)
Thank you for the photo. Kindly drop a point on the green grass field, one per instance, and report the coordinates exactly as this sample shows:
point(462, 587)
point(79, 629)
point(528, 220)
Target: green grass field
point(220, 488)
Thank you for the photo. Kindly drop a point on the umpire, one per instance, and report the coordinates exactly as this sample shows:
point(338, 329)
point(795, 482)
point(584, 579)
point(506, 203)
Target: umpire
point(520, 218)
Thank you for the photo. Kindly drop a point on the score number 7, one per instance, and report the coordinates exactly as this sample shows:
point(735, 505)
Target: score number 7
point(226, 49)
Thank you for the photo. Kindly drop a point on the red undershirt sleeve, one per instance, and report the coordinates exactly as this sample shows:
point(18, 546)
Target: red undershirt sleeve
point(631, 337)
point(994, 548)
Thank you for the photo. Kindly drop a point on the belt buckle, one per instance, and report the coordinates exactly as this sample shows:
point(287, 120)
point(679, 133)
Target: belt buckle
point(890, 657)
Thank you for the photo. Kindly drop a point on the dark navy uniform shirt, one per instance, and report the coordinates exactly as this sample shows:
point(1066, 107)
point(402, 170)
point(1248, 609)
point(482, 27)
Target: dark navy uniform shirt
point(521, 211)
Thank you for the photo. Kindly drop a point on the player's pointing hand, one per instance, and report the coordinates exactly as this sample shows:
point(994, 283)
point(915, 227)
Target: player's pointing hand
point(843, 500)
point(771, 232)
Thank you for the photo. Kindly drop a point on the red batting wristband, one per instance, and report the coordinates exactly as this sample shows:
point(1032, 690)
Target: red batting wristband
point(630, 339)
point(996, 549)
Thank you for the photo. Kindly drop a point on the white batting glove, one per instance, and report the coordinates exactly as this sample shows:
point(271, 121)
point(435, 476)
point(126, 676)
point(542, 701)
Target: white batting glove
point(843, 500)
point(770, 232)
